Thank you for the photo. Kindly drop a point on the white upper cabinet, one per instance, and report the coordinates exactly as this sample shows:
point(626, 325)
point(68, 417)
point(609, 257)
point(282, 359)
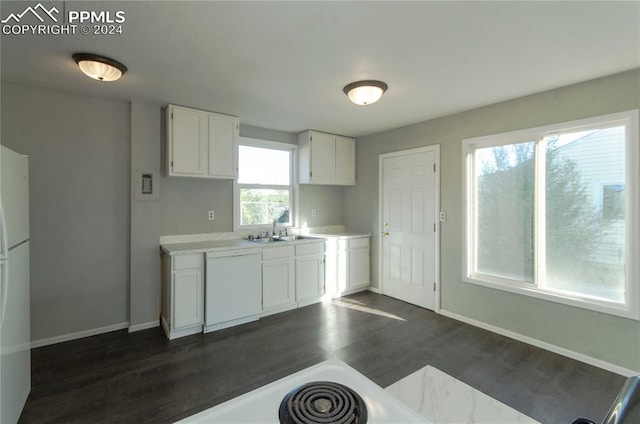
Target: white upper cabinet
point(201, 144)
point(345, 161)
point(326, 159)
point(223, 151)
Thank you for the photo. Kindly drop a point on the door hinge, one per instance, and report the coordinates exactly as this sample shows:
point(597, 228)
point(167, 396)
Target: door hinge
point(434, 167)
point(434, 227)
point(171, 115)
point(171, 164)
point(310, 174)
point(434, 286)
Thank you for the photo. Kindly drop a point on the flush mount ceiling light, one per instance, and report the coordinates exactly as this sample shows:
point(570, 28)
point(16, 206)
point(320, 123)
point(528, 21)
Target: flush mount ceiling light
point(99, 67)
point(365, 92)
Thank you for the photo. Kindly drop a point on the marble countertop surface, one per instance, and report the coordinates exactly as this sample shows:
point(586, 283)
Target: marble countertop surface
point(441, 398)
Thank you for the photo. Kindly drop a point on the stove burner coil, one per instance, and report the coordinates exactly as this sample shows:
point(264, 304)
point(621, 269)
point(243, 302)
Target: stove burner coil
point(322, 402)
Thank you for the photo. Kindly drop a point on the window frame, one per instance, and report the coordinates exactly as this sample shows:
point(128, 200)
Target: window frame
point(630, 119)
point(293, 186)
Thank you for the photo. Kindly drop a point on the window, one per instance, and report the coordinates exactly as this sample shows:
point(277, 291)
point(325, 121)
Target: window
point(264, 190)
point(543, 217)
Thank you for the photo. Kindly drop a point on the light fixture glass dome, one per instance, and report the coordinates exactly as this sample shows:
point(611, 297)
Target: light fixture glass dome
point(365, 92)
point(99, 67)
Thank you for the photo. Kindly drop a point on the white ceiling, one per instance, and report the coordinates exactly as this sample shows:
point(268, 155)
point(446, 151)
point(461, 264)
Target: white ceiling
point(282, 65)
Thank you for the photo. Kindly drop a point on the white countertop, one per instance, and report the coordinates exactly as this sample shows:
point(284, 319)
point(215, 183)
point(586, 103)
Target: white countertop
point(211, 242)
point(205, 246)
point(191, 247)
point(341, 236)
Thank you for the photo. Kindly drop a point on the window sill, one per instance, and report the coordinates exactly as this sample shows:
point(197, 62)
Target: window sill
point(611, 308)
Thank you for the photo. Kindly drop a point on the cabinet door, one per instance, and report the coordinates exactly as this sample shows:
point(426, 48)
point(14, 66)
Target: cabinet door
point(188, 142)
point(277, 284)
point(309, 277)
point(188, 301)
point(223, 133)
point(342, 276)
point(345, 161)
point(358, 268)
point(323, 157)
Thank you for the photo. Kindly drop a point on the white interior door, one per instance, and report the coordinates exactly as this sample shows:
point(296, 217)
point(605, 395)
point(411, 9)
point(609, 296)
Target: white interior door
point(409, 210)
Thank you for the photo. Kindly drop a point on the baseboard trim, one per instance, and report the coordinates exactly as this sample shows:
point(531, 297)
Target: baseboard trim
point(144, 326)
point(374, 290)
point(542, 345)
point(79, 335)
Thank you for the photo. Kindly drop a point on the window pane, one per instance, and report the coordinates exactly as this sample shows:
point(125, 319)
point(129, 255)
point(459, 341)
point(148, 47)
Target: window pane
point(585, 231)
point(261, 207)
point(613, 201)
point(263, 166)
point(504, 205)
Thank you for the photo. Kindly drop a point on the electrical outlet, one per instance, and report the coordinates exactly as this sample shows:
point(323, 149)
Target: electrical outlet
point(212, 215)
point(443, 216)
point(313, 212)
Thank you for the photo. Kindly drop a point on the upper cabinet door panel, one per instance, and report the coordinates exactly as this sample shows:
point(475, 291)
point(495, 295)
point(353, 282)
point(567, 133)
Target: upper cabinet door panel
point(323, 156)
point(201, 144)
point(326, 159)
point(188, 130)
point(223, 134)
point(345, 160)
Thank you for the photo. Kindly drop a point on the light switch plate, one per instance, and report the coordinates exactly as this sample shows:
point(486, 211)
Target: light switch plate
point(146, 185)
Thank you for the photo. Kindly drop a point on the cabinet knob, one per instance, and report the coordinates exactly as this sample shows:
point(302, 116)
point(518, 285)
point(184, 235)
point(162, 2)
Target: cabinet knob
point(385, 233)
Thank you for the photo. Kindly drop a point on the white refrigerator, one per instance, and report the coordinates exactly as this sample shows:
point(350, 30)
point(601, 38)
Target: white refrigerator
point(15, 333)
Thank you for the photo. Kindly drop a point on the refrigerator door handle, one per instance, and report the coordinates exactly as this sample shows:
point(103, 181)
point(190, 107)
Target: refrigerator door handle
point(4, 283)
point(4, 264)
point(4, 241)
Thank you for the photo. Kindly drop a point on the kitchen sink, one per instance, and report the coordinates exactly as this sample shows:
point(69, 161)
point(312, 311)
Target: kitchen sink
point(294, 238)
point(266, 240)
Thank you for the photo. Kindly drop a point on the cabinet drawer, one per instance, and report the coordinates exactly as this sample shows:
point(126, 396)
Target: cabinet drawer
point(187, 261)
point(269, 253)
point(309, 249)
point(359, 243)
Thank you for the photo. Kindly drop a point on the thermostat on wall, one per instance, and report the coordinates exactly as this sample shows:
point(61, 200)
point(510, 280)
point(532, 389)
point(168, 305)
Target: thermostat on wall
point(145, 185)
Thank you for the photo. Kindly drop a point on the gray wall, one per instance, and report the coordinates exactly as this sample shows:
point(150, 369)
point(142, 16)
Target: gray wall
point(144, 291)
point(79, 199)
point(612, 339)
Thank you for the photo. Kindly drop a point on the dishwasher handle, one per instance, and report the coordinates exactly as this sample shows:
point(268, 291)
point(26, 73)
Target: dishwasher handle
point(235, 252)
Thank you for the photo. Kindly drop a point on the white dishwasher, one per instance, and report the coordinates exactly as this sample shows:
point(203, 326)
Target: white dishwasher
point(233, 293)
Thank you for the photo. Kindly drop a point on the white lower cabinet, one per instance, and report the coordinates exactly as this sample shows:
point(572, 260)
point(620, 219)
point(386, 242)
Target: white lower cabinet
point(347, 265)
point(309, 273)
point(293, 275)
point(358, 253)
point(278, 279)
point(183, 294)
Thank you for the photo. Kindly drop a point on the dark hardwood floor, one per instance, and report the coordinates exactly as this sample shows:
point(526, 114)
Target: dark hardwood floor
point(144, 378)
